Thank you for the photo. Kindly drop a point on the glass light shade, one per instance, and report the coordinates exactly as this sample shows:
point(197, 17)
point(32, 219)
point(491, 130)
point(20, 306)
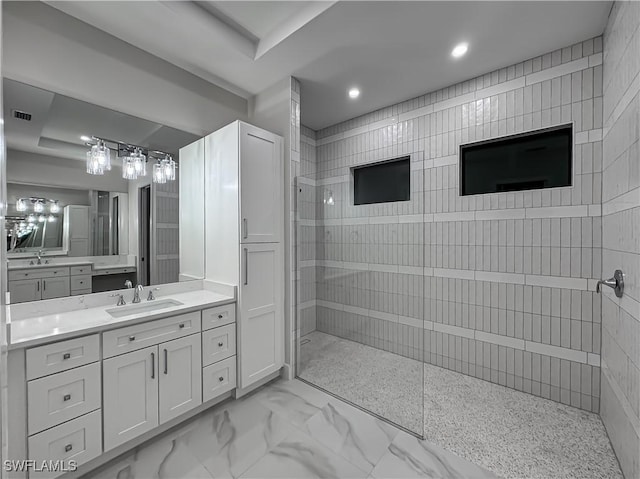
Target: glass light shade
point(21, 205)
point(31, 218)
point(41, 219)
point(54, 207)
point(169, 168)
point(129, 168)
point(139, 162)
point(101, 154)
point(51, 218)
point(159, 173)
point(93, 166)
point(38, 206)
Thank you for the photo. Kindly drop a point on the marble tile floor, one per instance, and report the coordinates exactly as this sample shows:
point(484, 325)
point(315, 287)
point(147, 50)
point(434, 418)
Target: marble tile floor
point(287, 429)
point(513, 434)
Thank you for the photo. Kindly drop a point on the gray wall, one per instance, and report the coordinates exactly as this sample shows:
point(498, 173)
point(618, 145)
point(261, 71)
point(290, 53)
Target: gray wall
point(498, 286)
point(621, 234)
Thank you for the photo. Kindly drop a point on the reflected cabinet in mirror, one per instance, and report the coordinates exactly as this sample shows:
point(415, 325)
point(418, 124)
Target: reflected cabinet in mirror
point(92, 197)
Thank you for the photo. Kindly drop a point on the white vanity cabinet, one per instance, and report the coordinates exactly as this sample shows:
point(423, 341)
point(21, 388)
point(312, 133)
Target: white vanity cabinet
point(147, 387)
point(244, 231)
point(113, 389)
point(40, 283)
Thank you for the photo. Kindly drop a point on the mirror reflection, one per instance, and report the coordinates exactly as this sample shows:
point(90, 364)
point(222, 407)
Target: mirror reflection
point(93, 196)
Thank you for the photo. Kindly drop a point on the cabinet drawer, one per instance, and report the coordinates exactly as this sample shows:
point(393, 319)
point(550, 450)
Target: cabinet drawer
point(218, 316)
point(218, 344)
point(79, 440)
point(38, 273)
point(63, 396)
point(81, 282)
point(56, 357)
point(140, 336)
point(218, 378)
point(78, 270)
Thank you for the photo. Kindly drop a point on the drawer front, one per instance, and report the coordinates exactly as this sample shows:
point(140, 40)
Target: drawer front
point(218, 344)
point(79, 440)
point(80, 282)
point(218, 316)
point(78, 270)
point(114, 270)
point(140, 336)
point(218, 378)
point(57, 357)
point(55, 399)
point(38, 273)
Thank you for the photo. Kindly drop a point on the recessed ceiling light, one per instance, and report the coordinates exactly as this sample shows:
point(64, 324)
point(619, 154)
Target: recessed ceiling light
point(354, 93)
point(85, 138)
point(459, 50)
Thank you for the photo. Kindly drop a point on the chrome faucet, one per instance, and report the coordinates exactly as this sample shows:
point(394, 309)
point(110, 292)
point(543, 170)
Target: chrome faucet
point(128, 284)
point(39, 255)
point(136, 293)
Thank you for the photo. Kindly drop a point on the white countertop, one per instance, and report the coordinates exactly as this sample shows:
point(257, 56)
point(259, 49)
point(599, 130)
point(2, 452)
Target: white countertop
point(42, 329)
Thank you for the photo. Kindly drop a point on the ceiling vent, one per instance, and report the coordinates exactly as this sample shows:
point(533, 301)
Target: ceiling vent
point(21, 115)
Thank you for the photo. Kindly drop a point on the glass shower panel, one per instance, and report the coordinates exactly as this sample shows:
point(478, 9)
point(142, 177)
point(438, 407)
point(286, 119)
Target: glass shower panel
point(360, 295)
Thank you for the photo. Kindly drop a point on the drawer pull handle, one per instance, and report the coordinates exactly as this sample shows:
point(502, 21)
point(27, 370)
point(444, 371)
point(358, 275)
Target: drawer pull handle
point(67, 397)
point(181, 325)
point(66, 356)
point(68, 447)
point(153, 365)
point(132, 338)
point(219, 316)
point(220, 344)
point(220, 379)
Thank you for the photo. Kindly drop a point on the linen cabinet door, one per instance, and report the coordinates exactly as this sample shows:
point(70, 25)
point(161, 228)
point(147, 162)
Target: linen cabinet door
point(180, 376)
point(55, 287)
point(130, 385)
point(261, 320)
point(261, 194)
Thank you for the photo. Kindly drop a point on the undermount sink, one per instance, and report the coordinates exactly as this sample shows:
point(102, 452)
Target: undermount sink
point(147, 307)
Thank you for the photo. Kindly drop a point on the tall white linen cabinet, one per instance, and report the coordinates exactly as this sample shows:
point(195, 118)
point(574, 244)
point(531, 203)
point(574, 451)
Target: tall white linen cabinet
point(235, 176)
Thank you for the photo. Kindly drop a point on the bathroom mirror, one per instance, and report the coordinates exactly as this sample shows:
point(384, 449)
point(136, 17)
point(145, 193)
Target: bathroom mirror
point(99, 230)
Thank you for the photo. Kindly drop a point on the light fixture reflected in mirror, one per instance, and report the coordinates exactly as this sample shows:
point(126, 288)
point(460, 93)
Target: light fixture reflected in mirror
point(21, 204)
point(159, 175)
point(54, 207)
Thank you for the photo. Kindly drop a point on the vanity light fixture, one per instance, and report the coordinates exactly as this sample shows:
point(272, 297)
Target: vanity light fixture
point(51, 218)
point(42, 218)
point(54, 207)
point(21, 204)
point(31, 219)
point(354, 93)
point(134, 159)
point(459, 50)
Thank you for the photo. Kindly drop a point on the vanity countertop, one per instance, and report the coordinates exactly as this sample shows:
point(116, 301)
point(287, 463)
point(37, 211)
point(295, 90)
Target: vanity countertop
point(36, 330)
point(61, 264)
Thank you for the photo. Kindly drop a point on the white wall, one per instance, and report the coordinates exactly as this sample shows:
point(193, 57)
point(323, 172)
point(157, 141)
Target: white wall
point(48, 49)
point(35, 169)
point(272, 110)
point(620, 394)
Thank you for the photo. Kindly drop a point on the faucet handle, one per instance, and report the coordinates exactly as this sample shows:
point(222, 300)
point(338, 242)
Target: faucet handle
point(151, 296)
point(121, 301)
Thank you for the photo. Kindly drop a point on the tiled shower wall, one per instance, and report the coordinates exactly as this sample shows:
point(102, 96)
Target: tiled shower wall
point(498, 286)
point(620, 408)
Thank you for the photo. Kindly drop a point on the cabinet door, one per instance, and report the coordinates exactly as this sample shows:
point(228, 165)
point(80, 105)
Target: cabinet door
point(24, 290)
point(180, 376)
point(55, 287)
point(130, 405)
point(261, 320)
point(261, 193)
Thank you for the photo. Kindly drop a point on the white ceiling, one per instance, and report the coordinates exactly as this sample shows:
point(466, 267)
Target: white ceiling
point(58, 122)
point(392, 50)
